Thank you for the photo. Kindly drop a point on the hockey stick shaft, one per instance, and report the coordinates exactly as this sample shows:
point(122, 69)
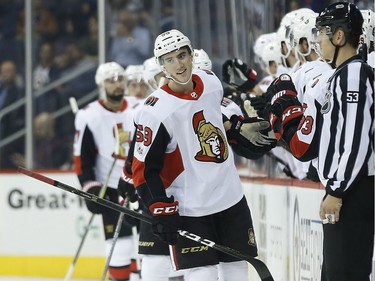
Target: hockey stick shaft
point(259, 266)
point(115, 237)
point(73, 105)
point(135, 237)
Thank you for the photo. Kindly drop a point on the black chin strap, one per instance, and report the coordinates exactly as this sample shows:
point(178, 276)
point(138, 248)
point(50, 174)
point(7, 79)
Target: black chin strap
point(333, 62)
point(337, 48)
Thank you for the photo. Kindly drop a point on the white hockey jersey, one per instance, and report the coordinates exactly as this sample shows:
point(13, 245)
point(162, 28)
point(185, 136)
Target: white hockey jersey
point(182, 149)
point(95, 145)
point(304, 77)
point(308, 72)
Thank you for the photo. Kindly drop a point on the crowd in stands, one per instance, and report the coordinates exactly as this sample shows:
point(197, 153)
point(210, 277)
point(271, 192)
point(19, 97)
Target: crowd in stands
point(65, 40)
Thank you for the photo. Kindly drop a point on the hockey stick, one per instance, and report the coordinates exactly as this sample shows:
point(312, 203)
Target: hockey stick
point(259, 266)
point(73, 105)
point(102, 192)
point(136, 238)
point(115, 237)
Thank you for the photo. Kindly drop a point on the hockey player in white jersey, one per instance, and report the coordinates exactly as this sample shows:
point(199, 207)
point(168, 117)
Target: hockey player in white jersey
point(271, 64)
point(135, 85)
point(183, 169)
point(156, 262)
point(367, 37)
point(153, 74)
point(312, 68)
point(289, 58)
point(95, 152)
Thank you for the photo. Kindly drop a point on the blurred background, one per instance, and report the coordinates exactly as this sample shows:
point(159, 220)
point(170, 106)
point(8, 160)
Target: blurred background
point(49, 51)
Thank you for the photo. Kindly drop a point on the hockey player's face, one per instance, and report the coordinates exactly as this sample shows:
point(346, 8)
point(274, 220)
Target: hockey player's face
point(179, 64)
point(114, 88)
point(138, 89)
point(325, 45)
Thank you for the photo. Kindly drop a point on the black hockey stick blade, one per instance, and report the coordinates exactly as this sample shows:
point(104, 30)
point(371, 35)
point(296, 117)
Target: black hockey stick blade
point(259, 266)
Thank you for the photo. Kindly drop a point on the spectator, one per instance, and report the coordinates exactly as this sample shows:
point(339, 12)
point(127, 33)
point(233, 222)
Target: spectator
point(89, 43)
point(10, 47)
point(45, 72)
point(46, 25)
point(73, 16)
point(83, 84)
point(50, 150)
point(10, 92)
point(132, 43)
point(74, 60)
point(42, 72)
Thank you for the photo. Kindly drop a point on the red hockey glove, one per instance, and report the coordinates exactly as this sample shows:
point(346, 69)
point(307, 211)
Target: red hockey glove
point(166, 219)
point(236, 73)
point(93, 187)
point(284, 104)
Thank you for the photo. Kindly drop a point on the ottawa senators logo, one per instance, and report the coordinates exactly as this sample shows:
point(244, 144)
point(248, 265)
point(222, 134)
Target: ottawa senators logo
point(214, 147)
point(124, 140)
point(151, 100)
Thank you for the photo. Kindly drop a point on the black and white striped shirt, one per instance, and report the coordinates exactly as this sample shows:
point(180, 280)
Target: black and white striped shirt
point(346, 150)
point(338, 126)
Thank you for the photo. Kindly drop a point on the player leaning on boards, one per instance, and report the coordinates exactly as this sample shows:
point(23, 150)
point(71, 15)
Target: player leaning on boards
point(184, 171)
point(95, 151)
point(337, 126)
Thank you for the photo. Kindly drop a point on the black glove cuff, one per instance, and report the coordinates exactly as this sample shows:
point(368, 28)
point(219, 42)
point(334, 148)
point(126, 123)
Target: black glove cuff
point(248, 86)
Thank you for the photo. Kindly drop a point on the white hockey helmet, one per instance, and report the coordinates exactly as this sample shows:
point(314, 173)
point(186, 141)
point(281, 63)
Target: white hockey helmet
point(150, 69)
point(368, 26)
point(133, 72)
point(271, 53)
point(283, 33)
point(300, 29)
point(169, 41)
point(106, 71)
point(262, 41)
point(201, 60)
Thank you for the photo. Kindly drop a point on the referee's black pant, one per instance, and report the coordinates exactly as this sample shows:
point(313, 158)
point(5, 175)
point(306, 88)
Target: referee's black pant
point(348, 245)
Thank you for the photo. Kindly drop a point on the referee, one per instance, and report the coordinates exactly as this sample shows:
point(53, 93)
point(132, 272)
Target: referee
point(336, 124)
point(346, 158)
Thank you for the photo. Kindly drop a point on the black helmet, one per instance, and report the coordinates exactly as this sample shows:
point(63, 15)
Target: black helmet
point(341, 14)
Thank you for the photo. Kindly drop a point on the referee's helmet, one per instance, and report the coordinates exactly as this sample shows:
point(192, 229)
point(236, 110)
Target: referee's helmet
point(341, 14)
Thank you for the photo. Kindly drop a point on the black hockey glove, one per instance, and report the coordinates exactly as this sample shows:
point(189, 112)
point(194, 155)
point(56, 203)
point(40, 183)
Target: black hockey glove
point(233, 95)
point(259, 104)
point(286, 110)
point(166, 219)
point(126, 189)
point(236, 73)
point(93, 187)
